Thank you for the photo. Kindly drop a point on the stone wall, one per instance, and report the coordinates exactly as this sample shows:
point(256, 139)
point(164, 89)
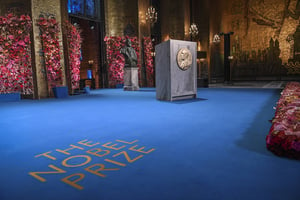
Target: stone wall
point(120, 13)
point(175, 19)
point(21, 5)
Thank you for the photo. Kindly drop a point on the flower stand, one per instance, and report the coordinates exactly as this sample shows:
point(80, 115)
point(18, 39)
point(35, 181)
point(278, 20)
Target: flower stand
point(119, 85)
point(87, 90)
point(60, 91)
point(8, 97)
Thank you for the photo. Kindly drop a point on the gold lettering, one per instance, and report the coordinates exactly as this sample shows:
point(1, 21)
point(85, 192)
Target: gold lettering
point(66, 150)
point(58, 171)
point(115, 162)
point(101, 167)
point(46, 155)
point(113, 146)
point(97, 150)
point(73, 182)
point(87, 143)
point(141, 149)
point(88, 159)
point(127, 142)
point(127, 156)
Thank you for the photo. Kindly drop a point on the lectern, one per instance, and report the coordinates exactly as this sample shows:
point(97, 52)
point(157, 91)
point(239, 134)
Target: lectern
point(176, 70)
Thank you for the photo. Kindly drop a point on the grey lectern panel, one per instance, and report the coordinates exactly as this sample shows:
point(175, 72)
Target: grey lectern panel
point(175, 70)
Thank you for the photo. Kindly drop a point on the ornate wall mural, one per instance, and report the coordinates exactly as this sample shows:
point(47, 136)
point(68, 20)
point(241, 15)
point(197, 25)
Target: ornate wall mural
point(266, 40)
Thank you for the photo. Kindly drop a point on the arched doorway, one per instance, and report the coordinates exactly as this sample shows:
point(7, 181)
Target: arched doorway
point(88, 16)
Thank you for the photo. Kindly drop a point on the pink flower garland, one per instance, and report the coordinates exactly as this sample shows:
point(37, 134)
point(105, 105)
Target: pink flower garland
point(148, 48)
point(15, 54)
point(74, 46)
point(284, 136)
point(49, 37)
point(115, 60)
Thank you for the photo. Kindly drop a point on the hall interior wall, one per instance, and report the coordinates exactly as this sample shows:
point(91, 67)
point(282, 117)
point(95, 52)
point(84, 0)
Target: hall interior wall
point(90, 49)
point(119, 13)
point(264, 39)
point(255, 25)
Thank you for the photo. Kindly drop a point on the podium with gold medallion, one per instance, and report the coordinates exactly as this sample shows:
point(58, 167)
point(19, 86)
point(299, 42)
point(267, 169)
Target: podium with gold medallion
point(176, 70)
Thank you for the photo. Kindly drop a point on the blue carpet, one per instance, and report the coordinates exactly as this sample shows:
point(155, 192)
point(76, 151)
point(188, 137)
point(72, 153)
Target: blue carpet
point(112, 145)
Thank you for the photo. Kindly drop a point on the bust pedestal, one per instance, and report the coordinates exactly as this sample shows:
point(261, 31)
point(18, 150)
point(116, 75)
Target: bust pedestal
point(131, 79)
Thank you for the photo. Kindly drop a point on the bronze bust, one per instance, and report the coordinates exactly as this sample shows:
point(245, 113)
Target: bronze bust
point(129, 54)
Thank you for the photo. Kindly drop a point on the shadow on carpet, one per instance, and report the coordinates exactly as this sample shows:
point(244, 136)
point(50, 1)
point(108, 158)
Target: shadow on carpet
point(254, 138)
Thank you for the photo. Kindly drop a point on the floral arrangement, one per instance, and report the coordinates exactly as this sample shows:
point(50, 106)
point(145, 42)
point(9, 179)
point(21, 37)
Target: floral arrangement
point(15, 54)
point(115, 60)
point(284, 136)
point(74, 46)
point(49, 38)
point(148, 59)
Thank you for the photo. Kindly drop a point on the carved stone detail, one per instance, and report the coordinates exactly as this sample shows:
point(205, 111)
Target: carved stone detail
point(184, 58)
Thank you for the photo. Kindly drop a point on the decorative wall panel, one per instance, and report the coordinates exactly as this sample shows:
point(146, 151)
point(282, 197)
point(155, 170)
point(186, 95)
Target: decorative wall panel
point(265, 39)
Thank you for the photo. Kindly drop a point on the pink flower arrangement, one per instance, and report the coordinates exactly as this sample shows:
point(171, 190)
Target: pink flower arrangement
point(148, 59)
point(15, 54)
point(49, 38)
point(284, 136)
point(115, 60)
point(74, 46)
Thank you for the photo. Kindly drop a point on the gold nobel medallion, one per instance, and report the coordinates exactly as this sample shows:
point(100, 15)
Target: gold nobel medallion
point(184, 58)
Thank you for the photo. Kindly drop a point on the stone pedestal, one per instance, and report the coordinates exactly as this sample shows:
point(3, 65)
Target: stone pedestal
point(176, 70)
point(131, 79)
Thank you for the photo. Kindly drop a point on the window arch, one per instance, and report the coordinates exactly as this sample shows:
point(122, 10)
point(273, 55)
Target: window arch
point(86, 8)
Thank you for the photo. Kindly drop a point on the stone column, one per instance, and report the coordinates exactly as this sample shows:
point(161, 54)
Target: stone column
point(51, 7)
point(144, 31)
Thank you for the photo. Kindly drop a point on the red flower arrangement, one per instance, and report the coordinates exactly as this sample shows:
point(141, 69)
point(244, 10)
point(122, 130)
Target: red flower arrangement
point(115, 59)
point(74, 46)
point(148, 59)
point(49, 38)
point(15, 54)
point(284, 136)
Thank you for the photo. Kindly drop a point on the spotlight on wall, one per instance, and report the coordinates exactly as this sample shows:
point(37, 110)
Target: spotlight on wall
point(92, 25)
point(216, 39)
point(75, 21)
point(91, 62)
point(230, 57)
